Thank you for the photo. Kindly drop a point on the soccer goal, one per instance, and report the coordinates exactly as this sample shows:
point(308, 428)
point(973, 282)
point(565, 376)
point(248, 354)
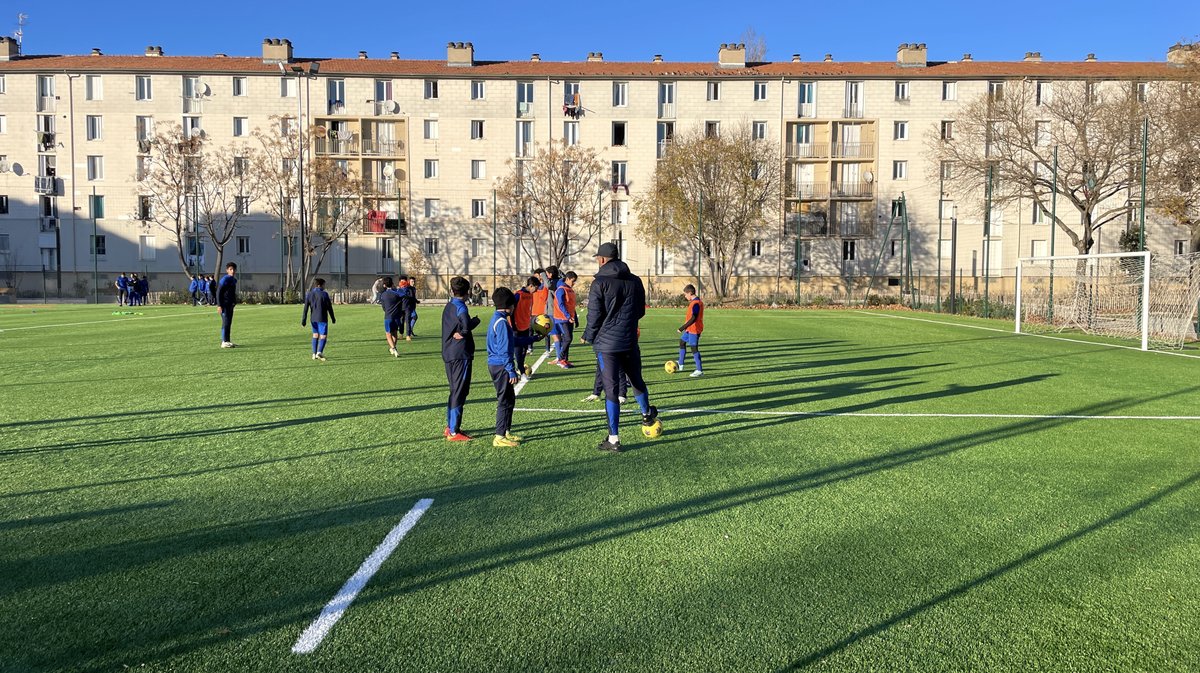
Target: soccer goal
point(1128, 295)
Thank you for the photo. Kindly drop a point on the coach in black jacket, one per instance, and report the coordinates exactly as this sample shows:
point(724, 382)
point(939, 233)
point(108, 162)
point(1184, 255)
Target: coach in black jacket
point(616, 301)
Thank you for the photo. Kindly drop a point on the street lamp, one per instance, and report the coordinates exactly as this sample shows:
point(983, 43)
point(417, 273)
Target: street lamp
point(953, 257)
point(301, 70)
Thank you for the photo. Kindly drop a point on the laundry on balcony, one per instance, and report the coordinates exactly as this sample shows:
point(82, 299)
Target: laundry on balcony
point(572, 108)
point(621, 186)
point(376, 221)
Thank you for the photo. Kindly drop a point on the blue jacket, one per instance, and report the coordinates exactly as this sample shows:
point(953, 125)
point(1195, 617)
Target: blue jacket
point(457, 319)
point(317, 301)
point(500, 343)
point(194, 286)
point(227, 292)
point(122, 283)
point(392, 304)
point(616, 302)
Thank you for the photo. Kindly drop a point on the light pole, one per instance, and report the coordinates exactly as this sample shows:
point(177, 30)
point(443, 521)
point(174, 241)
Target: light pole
point(301, 70)
point(953, 258)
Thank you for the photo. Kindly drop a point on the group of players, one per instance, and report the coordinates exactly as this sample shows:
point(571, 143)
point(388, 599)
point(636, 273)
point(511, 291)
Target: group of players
point(132, 289)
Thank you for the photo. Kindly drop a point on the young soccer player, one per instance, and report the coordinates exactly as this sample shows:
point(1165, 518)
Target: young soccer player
point(122, 286)
point(502, 366)
point(226, 300)
point(212, 290)
point(458, 350)
point(690, 331)
point(393, 314)
point(131, 293)
point(408, 306)
point(194, 290)
point(318, 303)
point(522, 322)
point(565, 318)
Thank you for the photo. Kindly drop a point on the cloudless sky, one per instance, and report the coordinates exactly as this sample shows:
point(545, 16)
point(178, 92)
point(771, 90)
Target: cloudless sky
point(625, 31)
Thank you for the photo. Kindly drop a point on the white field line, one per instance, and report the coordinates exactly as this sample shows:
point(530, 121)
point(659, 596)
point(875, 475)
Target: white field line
point(103, 322)
point(749, 412)
point(316, 632)
point(521, 384)
point(1040, 336)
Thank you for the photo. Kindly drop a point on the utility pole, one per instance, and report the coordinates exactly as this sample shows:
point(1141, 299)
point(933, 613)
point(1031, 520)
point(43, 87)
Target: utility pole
point(95, 253)
point(987, 247)
point(941, 202)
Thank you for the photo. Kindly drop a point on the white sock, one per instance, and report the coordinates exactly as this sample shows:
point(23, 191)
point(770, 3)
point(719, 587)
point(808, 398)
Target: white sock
point(614, 439)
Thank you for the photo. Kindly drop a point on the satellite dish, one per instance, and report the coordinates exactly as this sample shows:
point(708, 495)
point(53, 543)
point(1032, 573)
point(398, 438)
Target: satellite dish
point(387, 171)
point(391, 106)
point(4, 167)
point(201, 89)
point(869, 177)
point(320, 131)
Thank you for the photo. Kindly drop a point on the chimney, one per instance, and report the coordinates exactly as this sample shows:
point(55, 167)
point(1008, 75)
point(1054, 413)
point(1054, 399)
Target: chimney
point(395, 56)
point(1178, 54)
point(153, 51)
point(595, 56)
point(460, 54)
point(534, 58)
point(276, 50)
point(795, 58)
point(967, 58)
point(1033, 56)
point(657, 58)
point(829, 58)
point(732, 56)
point(1091, 58)
point(221, 55)
point(9, 49)
point(911, 55)
point(96, 51)
point(362, 55)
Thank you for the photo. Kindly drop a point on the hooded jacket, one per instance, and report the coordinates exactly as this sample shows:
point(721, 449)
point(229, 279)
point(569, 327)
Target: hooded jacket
point(616, 301)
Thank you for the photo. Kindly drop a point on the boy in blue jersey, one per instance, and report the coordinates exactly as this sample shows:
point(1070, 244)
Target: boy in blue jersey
point(502, 366)
point(194, 290)
point(458, 350)
point(393, 316)
point(226, 300)
point(122, 285)
point(550, 283)
point(318, 303)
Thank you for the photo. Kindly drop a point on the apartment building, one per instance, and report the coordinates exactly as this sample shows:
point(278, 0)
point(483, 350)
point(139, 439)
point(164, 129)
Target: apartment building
point(431, 138)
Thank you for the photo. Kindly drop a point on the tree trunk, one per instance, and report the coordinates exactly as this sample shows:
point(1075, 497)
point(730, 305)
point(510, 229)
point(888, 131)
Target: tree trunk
point(218, 272)
point(1194, 243)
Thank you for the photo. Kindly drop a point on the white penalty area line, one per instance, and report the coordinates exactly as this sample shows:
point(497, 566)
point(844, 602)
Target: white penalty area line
point(316, 632)
point(1014, 333)
point(750, 412)
point(521, 384)
point(105, 322)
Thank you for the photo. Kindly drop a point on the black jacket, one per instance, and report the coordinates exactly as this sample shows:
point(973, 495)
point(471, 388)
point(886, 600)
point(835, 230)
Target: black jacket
point(457, 319)
point(318, 303)
point(616, 301)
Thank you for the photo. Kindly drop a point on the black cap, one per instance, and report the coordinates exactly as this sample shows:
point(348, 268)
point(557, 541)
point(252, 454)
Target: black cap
point(608, 250)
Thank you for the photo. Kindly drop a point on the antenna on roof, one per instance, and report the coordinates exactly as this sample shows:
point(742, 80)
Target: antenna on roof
point(20, 32)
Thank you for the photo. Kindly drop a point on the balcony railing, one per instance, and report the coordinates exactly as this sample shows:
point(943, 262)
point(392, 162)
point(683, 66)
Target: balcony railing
point(335, 107)
point(853, 112)
point(381, 147)
point(337, 146)
point(47, 224)
point(192, 105)
point(806, 110)
point(854, 150)
point(379, 186)
point(808, 225)
point(852, 190)
point(524, 110)
point(45, 184)
point(663, 145)
point(807, 190)
point(47, 103)
point(852, 225)
point(666, 110)
point(524, 150)
point(807, 151)
point(381, 223)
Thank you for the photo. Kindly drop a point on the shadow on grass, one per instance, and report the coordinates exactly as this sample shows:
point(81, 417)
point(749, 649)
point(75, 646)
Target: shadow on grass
point(81, 516)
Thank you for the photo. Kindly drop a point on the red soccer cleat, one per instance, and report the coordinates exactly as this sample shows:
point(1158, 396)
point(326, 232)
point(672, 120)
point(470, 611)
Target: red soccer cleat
point(458, 437)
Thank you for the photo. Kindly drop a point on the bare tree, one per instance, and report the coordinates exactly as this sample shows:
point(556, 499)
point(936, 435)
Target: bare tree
point(165, 182)
point(225, 188)
point(337, 205)
point(1008, 138)
point(1175, 185)
point(552, 198)
point(277, 163)
point(756, 45)
point(730, 181)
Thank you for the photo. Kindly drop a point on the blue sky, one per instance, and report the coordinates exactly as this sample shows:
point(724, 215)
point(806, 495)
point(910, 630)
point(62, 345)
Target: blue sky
point(1062, 30)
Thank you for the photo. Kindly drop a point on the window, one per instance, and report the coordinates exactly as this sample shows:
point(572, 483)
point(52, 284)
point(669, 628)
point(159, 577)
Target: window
point(239, 86)
point(144, 127)
point(1181, 247)
point(479, 208)
point(97, 245)
point(714, 91)
point(431, 169)
point(3, 124)
point(191, 126)
point(712, 129)
point(620, 212)
point(571, 133)
point(900, 131)
point(619, 169)
point(947, 170)
point(524, 97)
point(1038, 249)
point(95, 127)
point(996, 90)
point(1039, 214)
point(241, 166)
point(760, 91)
point(1045, 93)
point(758, 130)
point(143, 208)
point(618, 134)
point(93, 87)
point(96, 201)
point(848, 251)
point(335, 96)
point(756, 248)
point(571, 93)
point(476, 129)
point(287, 87)
point(143, 89)
point(949, 90)
point(432, 207)
point(478, 169)
point(478, 90)
point(3, 204)
point(902, 91)
point(1092, 90)
point(431, 89)
point(478, 247)
point(899, 170)
point(4, 244)
point(289, 167)
point(947, 130)
point(947, 209)
point(95, 168)
point(147, 248)
point(242, 204)
point(240, 126)
point(1143, 89)
point(524, 139)
point(620, 94)
point(144, 165)
point(808, 100)
point(431, 129)
point(3, 86)
point(431, 246)
point(243, 245)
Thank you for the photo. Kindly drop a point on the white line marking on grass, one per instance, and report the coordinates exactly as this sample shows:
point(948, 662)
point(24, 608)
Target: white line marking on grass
point(863, 414)
point(316, 632)
point(1040, 336)
point(101, 322)
point(521, 384)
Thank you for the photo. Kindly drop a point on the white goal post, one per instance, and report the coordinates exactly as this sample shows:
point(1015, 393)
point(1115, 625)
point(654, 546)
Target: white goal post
point(1127, 295)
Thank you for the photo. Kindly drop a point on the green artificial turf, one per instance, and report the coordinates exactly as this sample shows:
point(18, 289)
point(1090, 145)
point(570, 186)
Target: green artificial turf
point(166, 505)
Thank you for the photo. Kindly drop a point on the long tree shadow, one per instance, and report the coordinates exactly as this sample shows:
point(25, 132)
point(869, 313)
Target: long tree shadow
point(16, 524)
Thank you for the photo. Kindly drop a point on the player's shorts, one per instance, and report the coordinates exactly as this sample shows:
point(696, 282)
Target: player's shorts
point(320, 328)
point(391, 326)
point(689, 339)
point(559, 328)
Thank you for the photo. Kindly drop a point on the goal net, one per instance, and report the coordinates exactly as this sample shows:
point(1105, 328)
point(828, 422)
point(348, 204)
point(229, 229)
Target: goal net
point(1133, 295)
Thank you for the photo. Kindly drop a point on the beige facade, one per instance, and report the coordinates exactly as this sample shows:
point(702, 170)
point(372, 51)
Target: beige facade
point(431, 138)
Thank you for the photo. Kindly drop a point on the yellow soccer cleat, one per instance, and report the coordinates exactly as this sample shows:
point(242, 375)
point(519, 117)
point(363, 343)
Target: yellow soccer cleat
point(504, 442)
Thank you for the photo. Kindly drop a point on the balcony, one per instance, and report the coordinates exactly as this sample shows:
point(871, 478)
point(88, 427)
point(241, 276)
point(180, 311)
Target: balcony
point(381, 222)
point(852, 190)
point(383, 187)
point(852, 223)
point(337, 146)
point(662, 148)
point(807, 151)
point(193, 105)
point(47, 103)
point(46, 184)
point(47, 224)
point(524, 150)
point(335, 108)
point(854, 150)
point(806, 110)
point(666, 110)
point(524, 110)
point(46, 141)
point(807, 225)
point(853, 112)
point(807, 190)
point(376, 147)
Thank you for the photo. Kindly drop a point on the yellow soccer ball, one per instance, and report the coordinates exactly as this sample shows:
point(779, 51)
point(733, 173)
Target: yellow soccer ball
point(528, 371)
point(671, 366)
point(654, 430)
point(542, 325)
